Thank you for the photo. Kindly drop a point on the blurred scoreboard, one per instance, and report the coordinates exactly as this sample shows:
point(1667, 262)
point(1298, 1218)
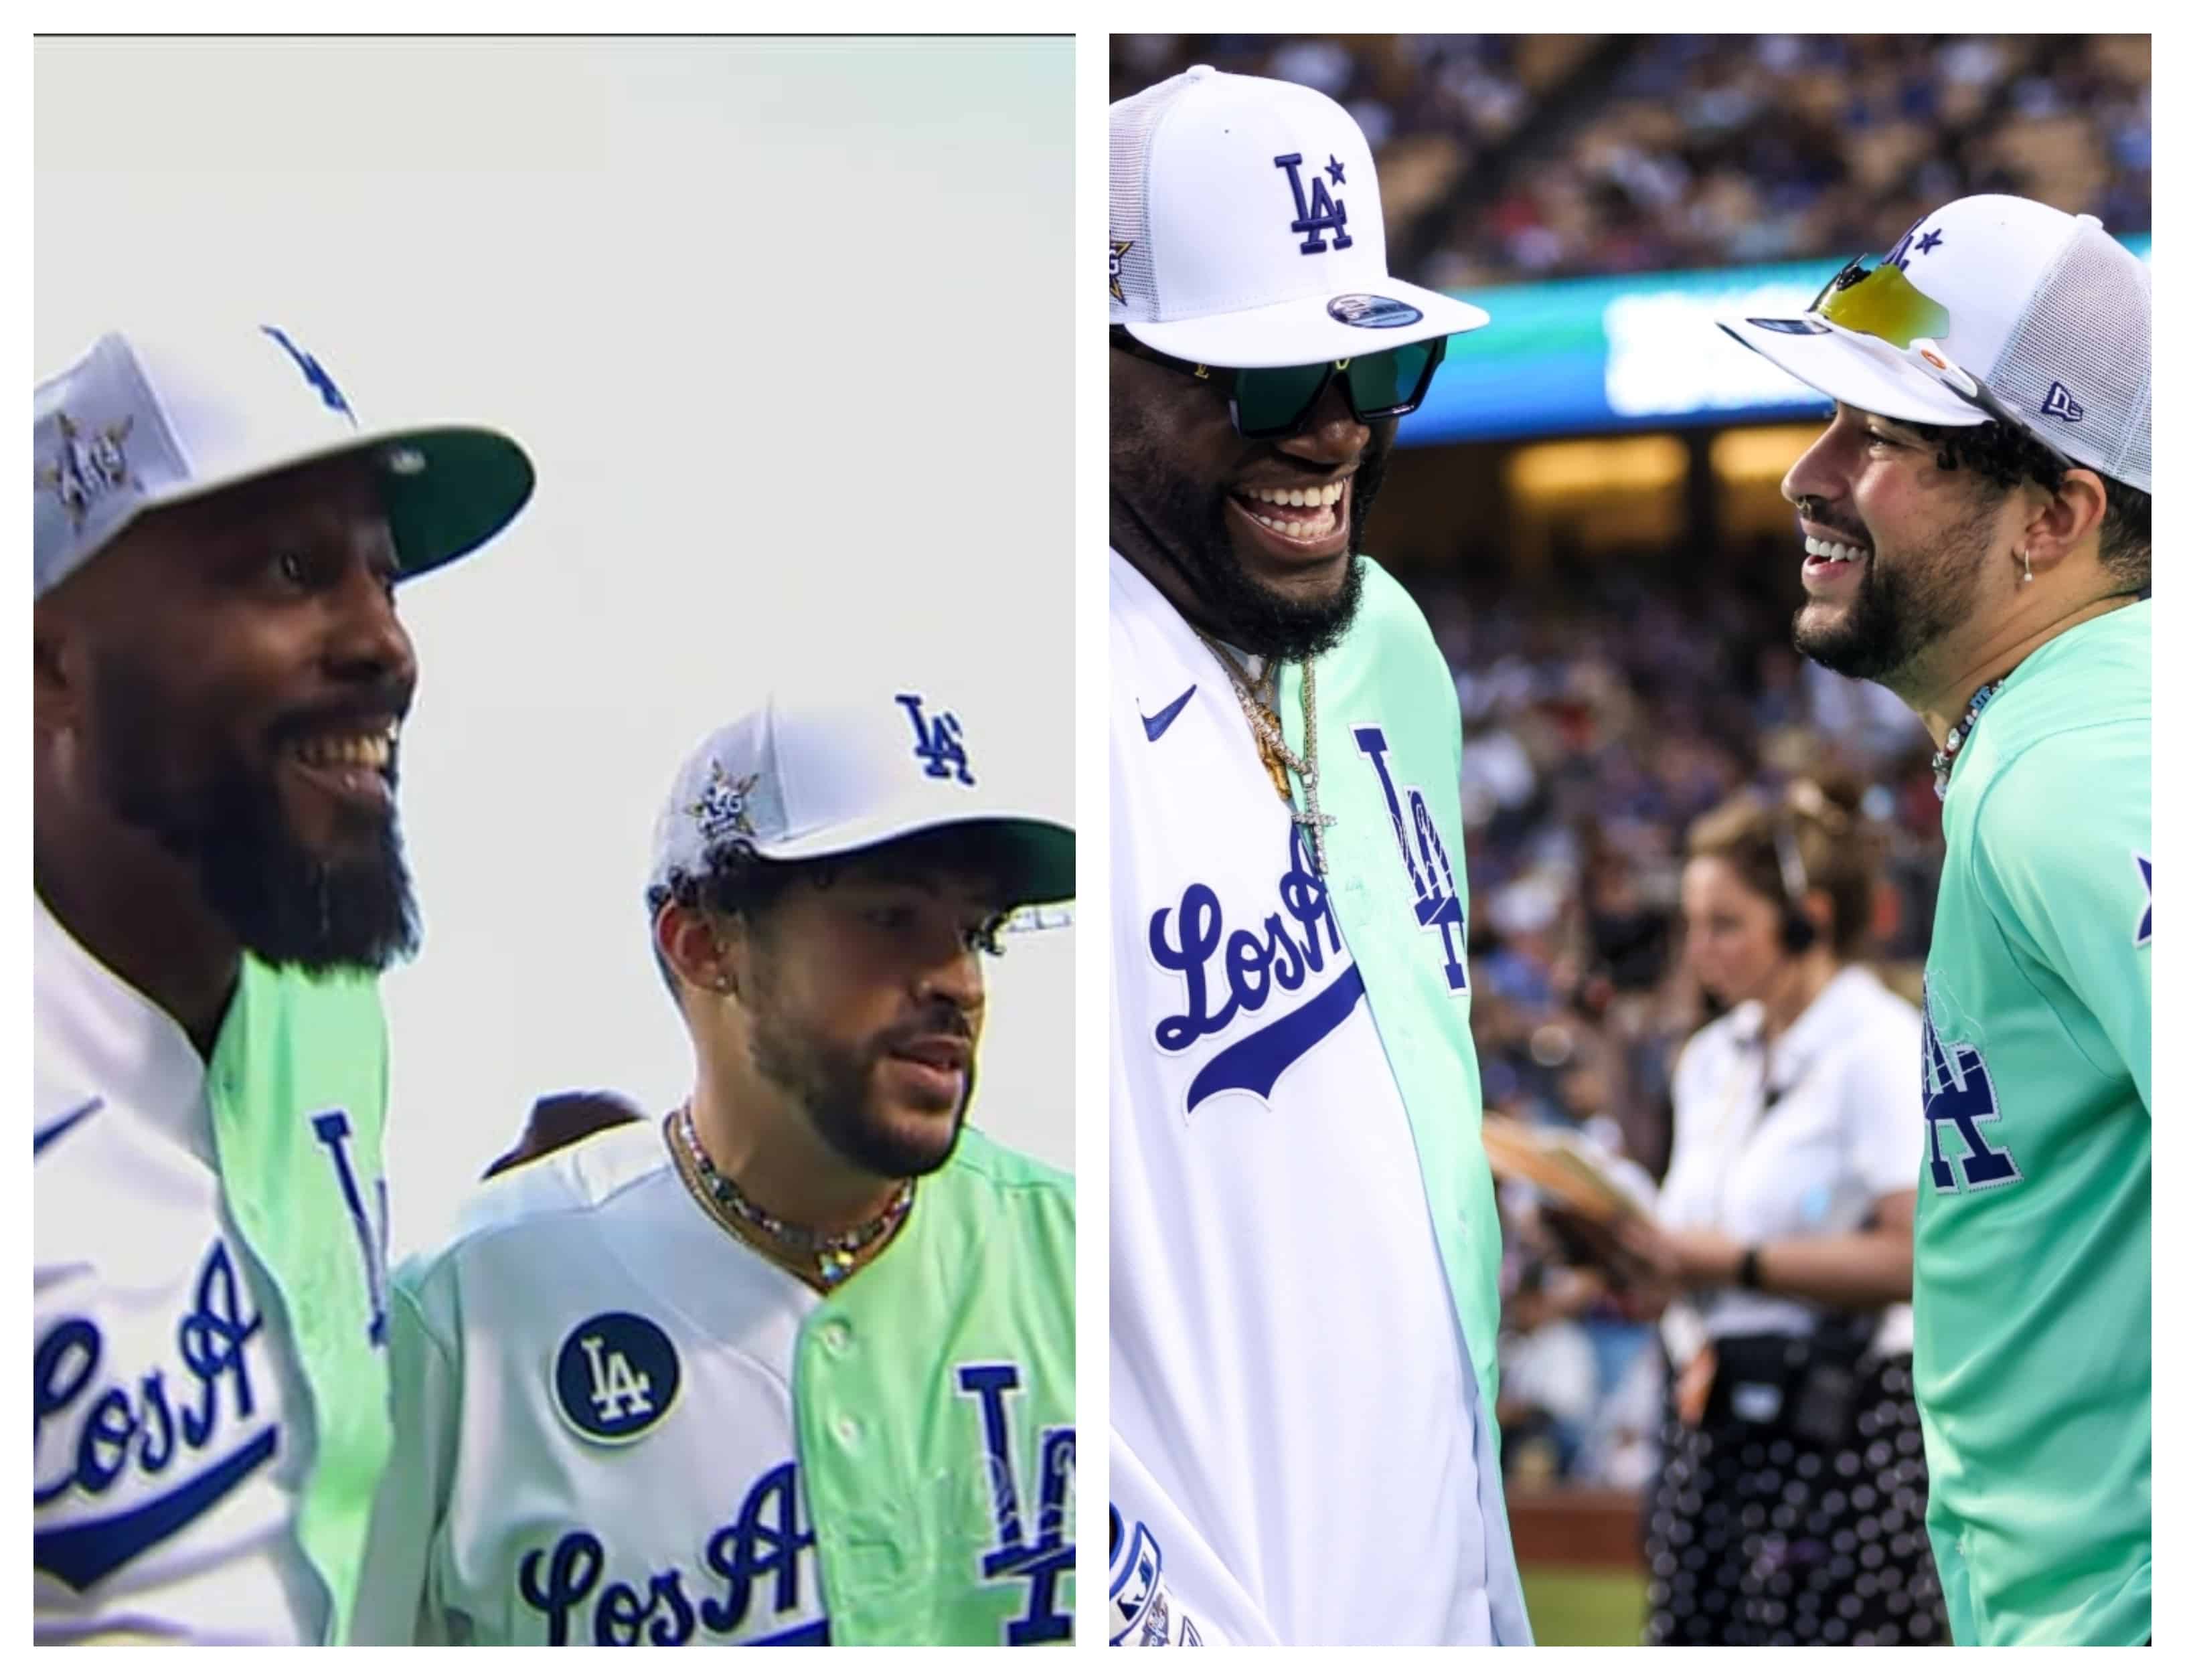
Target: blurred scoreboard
point(1623, 353)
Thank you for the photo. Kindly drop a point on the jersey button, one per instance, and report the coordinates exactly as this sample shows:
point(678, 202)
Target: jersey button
point(848, 1432)
point(835, 1338)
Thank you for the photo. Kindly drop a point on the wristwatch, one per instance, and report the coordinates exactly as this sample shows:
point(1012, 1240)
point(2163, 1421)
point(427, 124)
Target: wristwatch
point(1749, 1269)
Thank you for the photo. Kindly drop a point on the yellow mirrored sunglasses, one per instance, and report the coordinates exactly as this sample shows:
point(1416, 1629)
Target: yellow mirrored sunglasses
point(1879, 299)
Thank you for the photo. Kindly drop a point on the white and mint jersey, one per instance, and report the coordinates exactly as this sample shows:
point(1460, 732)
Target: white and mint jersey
point(1303, 1246)
point(2032, 1292)
point(208, 1367)
point(619, 1425)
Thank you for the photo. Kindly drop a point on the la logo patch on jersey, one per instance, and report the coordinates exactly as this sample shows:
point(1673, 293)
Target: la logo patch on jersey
point(615, 1377)
point(937, 740)
point(1959, 1098)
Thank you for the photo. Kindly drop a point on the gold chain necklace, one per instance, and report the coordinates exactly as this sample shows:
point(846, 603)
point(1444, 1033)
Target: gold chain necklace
point(1257, 702)
point(823, 1260)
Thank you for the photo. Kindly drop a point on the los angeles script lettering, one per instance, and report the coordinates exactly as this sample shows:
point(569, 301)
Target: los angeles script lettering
point(149, 1424)
point(761, 1546)
point(1189, 940)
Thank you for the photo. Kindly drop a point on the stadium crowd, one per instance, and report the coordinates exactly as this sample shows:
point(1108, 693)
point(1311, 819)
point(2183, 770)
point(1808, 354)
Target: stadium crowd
point(1507, 158)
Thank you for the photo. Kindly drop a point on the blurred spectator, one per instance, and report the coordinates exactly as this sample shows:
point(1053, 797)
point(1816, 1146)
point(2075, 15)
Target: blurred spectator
point(1792, 1499)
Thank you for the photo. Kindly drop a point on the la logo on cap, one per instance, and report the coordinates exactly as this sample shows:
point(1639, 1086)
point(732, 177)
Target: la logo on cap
point(938, 741)
point(1327, 213)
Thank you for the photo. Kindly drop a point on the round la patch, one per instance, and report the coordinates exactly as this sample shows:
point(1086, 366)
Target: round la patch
point(615, 1377)
point(1363, 308)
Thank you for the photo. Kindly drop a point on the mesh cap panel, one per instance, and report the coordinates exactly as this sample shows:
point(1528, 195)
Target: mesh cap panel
point(1133, 124)
point(2084, 347)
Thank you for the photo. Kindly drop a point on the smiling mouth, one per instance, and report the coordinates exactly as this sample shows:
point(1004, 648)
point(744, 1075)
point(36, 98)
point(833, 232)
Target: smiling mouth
point(1827, 560)
point(353, 763)
point(1305, 520)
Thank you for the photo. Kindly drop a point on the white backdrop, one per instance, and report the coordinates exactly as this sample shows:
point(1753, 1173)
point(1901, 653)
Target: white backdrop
point(785, 328)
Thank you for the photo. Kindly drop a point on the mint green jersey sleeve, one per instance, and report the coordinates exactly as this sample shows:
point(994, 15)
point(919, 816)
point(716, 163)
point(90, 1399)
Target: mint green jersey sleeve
point(297, 1084)
point(2063, 863)
point(395, 1602)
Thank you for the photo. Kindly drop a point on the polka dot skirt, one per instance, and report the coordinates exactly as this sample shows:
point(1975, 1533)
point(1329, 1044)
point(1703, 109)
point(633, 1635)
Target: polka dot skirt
point(1758, 1536)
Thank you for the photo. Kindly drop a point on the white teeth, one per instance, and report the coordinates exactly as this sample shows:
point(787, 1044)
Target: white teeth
point(1315, 495)
point(1820, 550)
point(372, 751)
point(1320, 525)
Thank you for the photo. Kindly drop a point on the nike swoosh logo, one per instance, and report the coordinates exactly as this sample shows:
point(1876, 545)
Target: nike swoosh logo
point(46, 1134)
point(1157, 725)
point(84, 1554)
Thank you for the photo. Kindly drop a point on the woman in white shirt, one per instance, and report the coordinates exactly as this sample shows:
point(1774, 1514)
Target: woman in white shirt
point(1792, 1504)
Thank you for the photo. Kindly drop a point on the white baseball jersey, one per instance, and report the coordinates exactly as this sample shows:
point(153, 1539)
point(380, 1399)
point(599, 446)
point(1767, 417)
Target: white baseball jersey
point(592, 1398)
point(1298, 1455)
point(171, 1434)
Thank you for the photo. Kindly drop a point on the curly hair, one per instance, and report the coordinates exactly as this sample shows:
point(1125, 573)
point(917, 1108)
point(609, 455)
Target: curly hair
point(736, 881)
point(2003, 457)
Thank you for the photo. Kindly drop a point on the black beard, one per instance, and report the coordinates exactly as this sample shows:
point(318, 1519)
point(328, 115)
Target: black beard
point(284, 906)
point(1192, 534)
point(1901, 609)
point(836, 1092)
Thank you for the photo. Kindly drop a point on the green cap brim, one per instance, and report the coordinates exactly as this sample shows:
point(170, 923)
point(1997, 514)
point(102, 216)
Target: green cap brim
point(467, 485)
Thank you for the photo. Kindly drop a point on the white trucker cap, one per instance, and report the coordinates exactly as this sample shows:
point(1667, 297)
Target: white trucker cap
point(143, 420)
point(1245, 229)
point(2050, 313)
point(799, 779)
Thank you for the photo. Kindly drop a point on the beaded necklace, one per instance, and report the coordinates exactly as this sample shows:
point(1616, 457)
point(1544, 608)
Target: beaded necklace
point(1954, 743)
point(833, 1255)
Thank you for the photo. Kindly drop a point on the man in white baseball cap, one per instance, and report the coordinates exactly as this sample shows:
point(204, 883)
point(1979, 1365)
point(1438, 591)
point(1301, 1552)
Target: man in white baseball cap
point(796, 1363)
point(218, 673)
point(1305, 1246)
point(1977, 526)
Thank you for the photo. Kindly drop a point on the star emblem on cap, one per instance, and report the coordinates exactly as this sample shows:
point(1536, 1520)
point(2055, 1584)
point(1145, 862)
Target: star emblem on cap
point(1115, 250)
point(1335, 171)
point(1928, 241)
point(724, 810)
point(86, 467)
